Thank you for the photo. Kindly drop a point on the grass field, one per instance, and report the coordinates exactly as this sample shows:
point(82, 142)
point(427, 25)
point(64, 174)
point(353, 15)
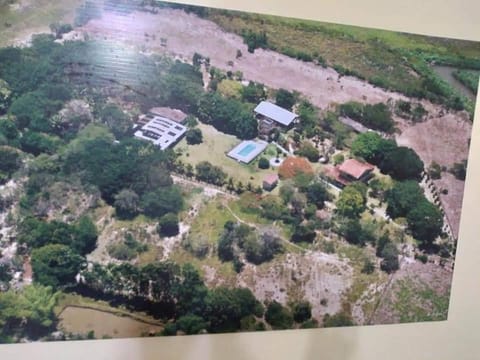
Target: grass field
point(31, 16)
point(389, 59)
point(214, 148)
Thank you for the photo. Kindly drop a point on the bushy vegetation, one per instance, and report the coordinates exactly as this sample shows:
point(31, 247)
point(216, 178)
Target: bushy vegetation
point(258, 248)
point(377, 116)
point(254, 40)
point(81, 236)
point(27, 312)
point(278, 316)
point(227, 115)
point(468, 78)
point(424, 219)
point(194, 136)
point(128, 249)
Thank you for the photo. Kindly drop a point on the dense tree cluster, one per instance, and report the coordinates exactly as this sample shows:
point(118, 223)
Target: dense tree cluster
point(237, 238)
point(278, 316)
point(400, 162)
point(56, 265)
point(27, 312)
point(227, 115)
point(253, 93)
point(11, 161)
point(351, 202)
point(424, 219)
point(80, 236)
point(131, 164)
point(209, 173)
point(167, 290)
point(309, 151)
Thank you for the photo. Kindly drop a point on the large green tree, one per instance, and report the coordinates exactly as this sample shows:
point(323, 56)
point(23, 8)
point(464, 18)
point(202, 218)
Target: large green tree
point(29, 311)
point(402, 163)
point(127, 204)
point(56, 265)
point(278, 316)
point(162, 201)
point(403, 197)
point(350, 203)
point(285, 99)
point(372, 147)
point(425, 222)
point(116, 120)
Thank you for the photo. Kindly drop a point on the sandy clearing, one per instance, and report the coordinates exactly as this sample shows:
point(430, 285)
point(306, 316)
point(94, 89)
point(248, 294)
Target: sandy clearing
point(452, 149)
point(313, 276)
point(443, 139)
point(434, 276)
point(187, 34)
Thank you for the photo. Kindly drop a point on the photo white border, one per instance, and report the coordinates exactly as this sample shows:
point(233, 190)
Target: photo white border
point(456, 338)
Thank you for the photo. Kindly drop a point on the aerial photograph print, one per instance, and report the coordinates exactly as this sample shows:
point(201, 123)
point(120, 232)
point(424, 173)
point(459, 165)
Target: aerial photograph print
point(169, 169)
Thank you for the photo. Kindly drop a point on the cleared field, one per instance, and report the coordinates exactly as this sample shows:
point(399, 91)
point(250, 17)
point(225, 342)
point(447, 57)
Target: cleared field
point(214, 148)
point(384, 57)
point(80, 321)
point(79, 315)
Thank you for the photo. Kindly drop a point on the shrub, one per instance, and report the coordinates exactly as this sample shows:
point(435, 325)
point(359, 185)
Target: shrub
point(302, 311)
point(435, 171)
point(459, 170)
point(368, 267)
point(168, 225)
point(278, 316)
point(337, 320)
point(194, 136)
point(422, 258)
point(293, 166)
point(263, 163)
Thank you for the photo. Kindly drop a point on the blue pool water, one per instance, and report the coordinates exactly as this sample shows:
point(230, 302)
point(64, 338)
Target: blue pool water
point(247, 149)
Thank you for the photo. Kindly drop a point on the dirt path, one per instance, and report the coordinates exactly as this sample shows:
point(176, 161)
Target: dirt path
point(256, 227)
point(208, 190)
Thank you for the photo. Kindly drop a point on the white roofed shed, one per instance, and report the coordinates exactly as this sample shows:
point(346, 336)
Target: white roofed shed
point(275, 113)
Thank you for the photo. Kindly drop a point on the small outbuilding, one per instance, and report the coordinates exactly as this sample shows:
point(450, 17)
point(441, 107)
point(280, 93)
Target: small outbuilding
point(270, 182)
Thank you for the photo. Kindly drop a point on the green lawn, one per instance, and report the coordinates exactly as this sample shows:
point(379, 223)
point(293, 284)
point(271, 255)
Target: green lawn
point(214, 148)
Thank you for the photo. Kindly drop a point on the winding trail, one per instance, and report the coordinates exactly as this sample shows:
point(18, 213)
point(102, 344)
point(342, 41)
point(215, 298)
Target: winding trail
point(257, 228)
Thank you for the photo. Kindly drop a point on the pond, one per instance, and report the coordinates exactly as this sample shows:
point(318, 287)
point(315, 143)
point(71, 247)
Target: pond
point(79, 320)
point(446, 73)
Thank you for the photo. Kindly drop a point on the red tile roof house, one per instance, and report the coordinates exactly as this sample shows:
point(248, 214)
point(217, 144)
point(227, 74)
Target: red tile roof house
point(270, 181)
point(349, 171)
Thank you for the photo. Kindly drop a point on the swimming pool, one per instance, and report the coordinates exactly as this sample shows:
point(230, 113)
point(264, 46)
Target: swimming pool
point(247, 150)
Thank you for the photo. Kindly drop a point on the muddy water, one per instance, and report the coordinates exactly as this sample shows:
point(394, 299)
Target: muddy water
point(81, 321)
point(446, 73)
